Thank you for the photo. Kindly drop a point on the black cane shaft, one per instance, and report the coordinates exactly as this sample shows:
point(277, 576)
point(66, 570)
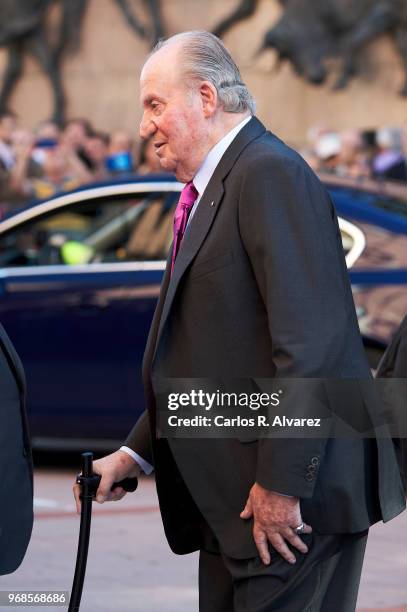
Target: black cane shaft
point(83, 546)
point(89, 483)
point(84, 535)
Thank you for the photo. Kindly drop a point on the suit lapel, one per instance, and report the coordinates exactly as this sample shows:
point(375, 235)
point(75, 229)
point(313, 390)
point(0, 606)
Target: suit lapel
point(152, 336)
point(194, 236)
point(200, 224)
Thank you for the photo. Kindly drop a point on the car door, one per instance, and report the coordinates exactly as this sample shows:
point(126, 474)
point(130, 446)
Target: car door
point(79, 284)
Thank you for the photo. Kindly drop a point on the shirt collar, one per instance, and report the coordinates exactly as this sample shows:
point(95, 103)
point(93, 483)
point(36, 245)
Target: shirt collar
point(205, 172)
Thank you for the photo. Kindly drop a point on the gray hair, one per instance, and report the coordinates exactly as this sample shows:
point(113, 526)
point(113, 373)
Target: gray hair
point(204, 57)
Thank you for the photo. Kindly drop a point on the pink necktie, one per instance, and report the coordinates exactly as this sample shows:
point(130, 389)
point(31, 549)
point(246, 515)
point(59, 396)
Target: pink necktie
point(186, 201)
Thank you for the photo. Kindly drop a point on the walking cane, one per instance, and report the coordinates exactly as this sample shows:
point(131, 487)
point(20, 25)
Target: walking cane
point(89, 483)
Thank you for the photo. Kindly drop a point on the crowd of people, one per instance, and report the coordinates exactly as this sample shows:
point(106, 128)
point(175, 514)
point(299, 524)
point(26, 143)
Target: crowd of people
point(378, 154)
point(38, 163)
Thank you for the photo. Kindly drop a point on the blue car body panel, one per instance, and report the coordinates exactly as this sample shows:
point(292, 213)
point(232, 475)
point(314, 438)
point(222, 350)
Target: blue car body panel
point(81, 338)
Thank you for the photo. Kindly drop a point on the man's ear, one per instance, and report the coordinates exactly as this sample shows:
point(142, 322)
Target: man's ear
point(209, 98)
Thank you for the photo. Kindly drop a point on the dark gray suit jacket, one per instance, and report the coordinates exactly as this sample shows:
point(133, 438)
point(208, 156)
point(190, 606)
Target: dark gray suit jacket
point(16, 473)
point(260, 289)
point(394, 365)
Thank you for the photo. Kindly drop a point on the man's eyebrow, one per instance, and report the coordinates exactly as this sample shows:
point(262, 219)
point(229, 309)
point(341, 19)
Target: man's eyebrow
point(150, 98)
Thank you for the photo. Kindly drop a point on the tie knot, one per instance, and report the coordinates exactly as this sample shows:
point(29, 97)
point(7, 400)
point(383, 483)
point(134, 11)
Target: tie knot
point(188, 194)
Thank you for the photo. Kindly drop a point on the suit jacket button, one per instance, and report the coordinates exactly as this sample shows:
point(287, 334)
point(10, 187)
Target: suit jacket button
point(309, 477)
point(315, 461)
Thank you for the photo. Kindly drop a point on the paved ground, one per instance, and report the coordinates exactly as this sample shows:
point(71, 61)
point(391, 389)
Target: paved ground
point(131, 569)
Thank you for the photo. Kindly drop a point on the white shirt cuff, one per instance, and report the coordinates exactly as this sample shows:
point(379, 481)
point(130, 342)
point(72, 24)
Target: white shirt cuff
point(145, 466)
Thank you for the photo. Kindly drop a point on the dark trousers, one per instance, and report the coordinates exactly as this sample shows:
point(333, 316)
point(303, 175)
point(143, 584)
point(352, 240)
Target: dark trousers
point(326, 579)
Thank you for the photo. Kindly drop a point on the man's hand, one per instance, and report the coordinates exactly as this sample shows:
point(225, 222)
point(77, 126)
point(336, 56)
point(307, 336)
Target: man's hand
point(112, 468)
point(275, 519)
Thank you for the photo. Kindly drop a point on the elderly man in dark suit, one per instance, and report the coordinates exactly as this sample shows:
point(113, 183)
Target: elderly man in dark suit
point(16, 474)
point(256, 286)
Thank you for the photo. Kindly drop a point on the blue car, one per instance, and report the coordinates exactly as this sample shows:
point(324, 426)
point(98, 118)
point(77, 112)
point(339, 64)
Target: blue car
point(79, 279)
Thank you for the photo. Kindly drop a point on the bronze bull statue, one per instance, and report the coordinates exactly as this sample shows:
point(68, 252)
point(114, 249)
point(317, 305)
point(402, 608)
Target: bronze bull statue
point(311, 31)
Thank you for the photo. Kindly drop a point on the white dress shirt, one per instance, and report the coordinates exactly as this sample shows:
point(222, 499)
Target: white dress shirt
point(201, 180)
point(211, 161)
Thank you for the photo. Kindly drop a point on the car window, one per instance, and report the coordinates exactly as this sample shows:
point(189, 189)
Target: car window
point(110, 229)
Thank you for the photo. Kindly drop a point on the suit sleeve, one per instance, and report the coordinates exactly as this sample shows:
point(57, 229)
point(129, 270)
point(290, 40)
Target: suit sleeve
point(400, 371)
point(400, 366)
point(291, 236)
point(394, 365)
point(139, 438)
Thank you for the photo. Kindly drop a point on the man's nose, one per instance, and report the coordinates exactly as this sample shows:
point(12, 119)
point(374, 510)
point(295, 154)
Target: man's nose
point(147, 127)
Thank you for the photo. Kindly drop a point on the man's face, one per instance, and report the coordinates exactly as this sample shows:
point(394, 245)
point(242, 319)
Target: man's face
point(120, 142)
point(96, 149)
point(7, 126)
point(74, 134)
point(55, 164)
point(173, 116)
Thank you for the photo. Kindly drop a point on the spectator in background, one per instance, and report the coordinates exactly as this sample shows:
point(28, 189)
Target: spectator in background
point(47, 129)
point(62, 170)
point(74, 136)
point(81, 155)
point(327, 150)
point(4, 188)
point(97, 151)
point(120, 141)
point(47, 134)
point(345, 154)
point(389, 162)
point(404, 145)
point(148, 159)
point(354, 155)
point(22, 140)
point(120, 159)
point(8, 123)
point(314, 133)
point(21, 143)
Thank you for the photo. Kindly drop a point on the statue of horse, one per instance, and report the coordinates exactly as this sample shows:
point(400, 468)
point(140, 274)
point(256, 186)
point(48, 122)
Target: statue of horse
point(23, 31)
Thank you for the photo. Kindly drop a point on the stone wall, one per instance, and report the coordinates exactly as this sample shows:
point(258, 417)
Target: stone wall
point(102, 79)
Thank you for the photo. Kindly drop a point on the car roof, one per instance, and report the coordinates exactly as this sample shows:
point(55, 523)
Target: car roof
point(343, 199)
point(127, 179)
point(331, 181)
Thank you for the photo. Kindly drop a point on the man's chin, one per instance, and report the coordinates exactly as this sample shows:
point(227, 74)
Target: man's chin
point(175, 167)
point(170, 166)
point(166, 163)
